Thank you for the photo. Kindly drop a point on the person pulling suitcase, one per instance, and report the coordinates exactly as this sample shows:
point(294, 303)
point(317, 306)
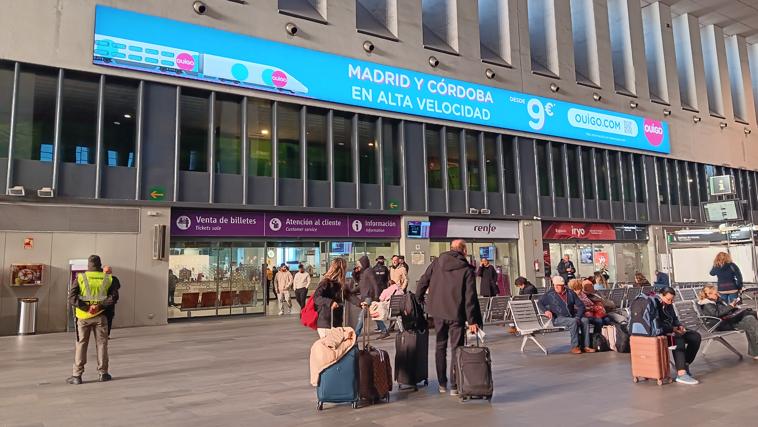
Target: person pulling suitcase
point(452, 301)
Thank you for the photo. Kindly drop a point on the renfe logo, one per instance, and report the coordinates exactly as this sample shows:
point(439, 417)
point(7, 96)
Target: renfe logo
point(487, 229)
point(279, 79)
point(653, 132)
point(185, 61)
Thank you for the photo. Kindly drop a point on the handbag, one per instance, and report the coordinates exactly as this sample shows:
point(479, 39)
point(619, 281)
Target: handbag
point(309, 314)
point(380, 310)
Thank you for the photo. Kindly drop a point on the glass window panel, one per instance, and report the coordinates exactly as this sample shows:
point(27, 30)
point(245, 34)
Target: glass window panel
point(558, 171)
point(6, 93)
point(626, 162)
point(587, 173)
point(681, 168)
point(453, 142)
point(35, 113)
point(228, 134)
point(490, 162)
point(433, 156)
point(288, 129)
point(315, 134)
point(79, 118)
point(542, 168)
point(613, 159)
point(120, 121)
point(660, 165)
point(703, 182)
point(259, 136)
point(639, 177)
point(391, 151)
point(367, 149)
point(509, 163)
point(692, 184)
point(573, 171)
point(673, 184)
point(343, 137)
point(193, 143)
point(602, 174)
point(472, 161)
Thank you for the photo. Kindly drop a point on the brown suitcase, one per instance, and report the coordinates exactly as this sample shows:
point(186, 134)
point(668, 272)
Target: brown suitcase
point(374, 371)
point(650, 359)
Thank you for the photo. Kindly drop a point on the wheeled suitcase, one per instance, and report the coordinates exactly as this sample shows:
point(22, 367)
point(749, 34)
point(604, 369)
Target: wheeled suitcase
point(412, 358)
point(339, 382)
point(609, 332)
point(374, 372)
point(473, 372)
point(650, 359)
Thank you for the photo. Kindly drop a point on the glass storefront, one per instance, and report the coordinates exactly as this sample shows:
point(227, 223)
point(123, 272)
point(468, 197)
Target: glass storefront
point(226, 277)
point(504, 258)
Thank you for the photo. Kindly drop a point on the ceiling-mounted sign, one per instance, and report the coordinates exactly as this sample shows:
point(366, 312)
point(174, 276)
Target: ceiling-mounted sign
point(721, 185)
point(453, 228)
point(578, 231)
point(141, 42)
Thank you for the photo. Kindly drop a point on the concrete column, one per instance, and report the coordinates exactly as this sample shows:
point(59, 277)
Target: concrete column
point(530, 250)
point(409, 247)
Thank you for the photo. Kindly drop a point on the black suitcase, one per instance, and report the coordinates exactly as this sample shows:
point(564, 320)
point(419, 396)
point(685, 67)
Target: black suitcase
point(412, 358)
point(473, 372)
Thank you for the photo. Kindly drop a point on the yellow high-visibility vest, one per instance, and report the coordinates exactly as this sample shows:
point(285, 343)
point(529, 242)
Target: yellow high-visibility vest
point(93, 289)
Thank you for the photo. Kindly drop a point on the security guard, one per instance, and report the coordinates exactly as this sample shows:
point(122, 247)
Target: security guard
point(92, 292)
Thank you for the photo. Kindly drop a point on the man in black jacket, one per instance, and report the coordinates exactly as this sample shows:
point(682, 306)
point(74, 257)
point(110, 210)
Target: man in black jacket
point(566, 269)
point(451, 301)
point(525, 288)
point(687, 342)
point(382, 274)
point(488, 283)
point(370, 290)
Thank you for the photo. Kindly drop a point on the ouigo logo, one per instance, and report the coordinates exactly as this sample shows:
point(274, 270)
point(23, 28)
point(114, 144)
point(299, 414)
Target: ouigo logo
point(275, 78)
point(653, 132)
point(185, 61)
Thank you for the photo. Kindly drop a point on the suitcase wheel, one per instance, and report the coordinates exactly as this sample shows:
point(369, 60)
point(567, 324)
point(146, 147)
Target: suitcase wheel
point(320, 406)
point(660, 382)
point(387, 397)
point(635, 380)
point(426, 383)
point(355, 405)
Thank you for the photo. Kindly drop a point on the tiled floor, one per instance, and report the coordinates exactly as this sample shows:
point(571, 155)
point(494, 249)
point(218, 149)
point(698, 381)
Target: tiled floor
point(254, 372)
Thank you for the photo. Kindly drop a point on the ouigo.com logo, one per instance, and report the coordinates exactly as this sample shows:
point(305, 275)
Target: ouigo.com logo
point(653, 130)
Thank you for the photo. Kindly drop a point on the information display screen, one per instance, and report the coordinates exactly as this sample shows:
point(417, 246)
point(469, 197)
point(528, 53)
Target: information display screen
point(728, 210)
point(487, 252)
point(418, 229)
point(341, 248)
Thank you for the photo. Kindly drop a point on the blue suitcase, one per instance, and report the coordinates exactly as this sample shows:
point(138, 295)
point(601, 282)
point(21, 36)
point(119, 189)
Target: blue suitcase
point(339, 382)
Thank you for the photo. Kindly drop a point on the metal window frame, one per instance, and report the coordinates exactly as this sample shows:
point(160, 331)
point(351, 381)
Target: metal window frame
point(12, 128)
point(275, 150)
point(517, 165)
point(551, 173)
point(647, 188)
point(303, 140)
point(566, 177)
point(483, 171)
point(356, 154)
point(57, 130)
point(537, 176)
point(595, 182)
point(379, 159)
point(140, 136)
point(463, 167)
point(245, 148)
point(403, 166)
point(689, 189)
point(445, 178)
point(633, 170)
point(679, 188)
point(582, 192)
point(607, 158)
point(500, 152)
point(330, 156)
point(622, 187)
point(99, 136)
point(177, 140)
point(426, 168)
point(659, 196)
point(668, 186)
point(211, 146)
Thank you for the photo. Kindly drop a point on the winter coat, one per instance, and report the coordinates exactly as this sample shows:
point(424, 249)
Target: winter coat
point(726, 275)
point(327, 351)
point(718, 308)
point(368, 283)
point(488, 284)
point(667, 316)
point(382, 274)
point(399, 275)
point(551, 301)
point(451, 286)
point(325, 294)
point(528, 289)
point(563, 267)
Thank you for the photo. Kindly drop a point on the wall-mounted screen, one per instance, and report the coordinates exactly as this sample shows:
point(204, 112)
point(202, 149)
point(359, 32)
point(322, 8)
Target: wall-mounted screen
point(728, 210)
point(487, 252)
point(418, 229)
point(341, 248)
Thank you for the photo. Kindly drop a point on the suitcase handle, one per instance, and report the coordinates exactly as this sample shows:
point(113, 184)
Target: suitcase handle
point(465, 338)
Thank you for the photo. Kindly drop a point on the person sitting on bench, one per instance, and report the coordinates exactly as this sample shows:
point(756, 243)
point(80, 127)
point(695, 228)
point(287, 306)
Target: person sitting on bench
point(565, 309)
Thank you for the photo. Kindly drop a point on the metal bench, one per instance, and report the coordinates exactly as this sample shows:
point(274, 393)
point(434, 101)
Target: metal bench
point(686, 294)
point(528, 323)
point(526, 297)
point(647, 290)
point(603, 293)
point(498, 311)
point(617, 297)
point(692, 320)
point(484, 306)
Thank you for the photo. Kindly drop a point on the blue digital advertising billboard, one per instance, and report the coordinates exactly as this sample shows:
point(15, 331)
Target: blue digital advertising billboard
point(136, 41)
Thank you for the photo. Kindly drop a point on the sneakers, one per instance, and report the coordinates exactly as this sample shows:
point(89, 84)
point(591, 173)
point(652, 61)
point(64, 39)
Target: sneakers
point(281, 312)
point(74, 380)
point(105, 377)
point(443, 389)
point(454, 391)
point(686, 379)
point(384, 335)
point(589, 350)
point(576, 350)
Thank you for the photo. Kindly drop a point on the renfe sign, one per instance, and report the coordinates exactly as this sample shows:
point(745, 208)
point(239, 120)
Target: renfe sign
point(444, 228)
point(213, 223)
point(158, 45)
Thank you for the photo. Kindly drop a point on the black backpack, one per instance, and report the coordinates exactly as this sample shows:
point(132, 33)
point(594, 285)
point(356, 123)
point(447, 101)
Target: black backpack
point(622, 338)
point(644, 318)
point(412, 314)
point(600, 343)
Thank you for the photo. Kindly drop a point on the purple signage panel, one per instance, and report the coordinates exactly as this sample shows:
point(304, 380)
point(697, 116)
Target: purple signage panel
point(213, 223)
point(217, 223)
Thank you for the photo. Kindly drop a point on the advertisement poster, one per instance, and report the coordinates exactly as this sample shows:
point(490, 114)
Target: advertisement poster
point(601, 259)
point(585, 255)
point(131, 40)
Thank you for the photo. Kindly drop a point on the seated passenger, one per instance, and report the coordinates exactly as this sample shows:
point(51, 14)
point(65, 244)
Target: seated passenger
point(525, 288)
point(593, 309)
point(640, 280)
point(565, 309)
point(687, 342)
point(711, 304)
point(600, 281)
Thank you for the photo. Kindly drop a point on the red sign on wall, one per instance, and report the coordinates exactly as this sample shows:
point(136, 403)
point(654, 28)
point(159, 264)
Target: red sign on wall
point(577, 231)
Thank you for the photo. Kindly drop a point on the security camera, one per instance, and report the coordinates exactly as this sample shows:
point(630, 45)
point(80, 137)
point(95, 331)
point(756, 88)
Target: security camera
point(490, 73)
point(200, 7)
point(291, 28)
point(433, 61)
point(368, 46)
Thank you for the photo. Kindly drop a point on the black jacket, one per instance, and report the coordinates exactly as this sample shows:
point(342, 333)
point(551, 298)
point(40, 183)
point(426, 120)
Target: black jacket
point(719, 309)
point(382, 274)
point(667, 316)
point(325, 294)
point(488, 284)
point(451, 283)
point(551, 301)
point(368, 283)
point(528, 289)
point(562, 270)
point(729, 277)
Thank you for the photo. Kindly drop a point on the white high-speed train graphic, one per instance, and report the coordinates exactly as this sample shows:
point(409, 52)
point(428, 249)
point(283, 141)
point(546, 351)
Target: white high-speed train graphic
point(185, 63)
